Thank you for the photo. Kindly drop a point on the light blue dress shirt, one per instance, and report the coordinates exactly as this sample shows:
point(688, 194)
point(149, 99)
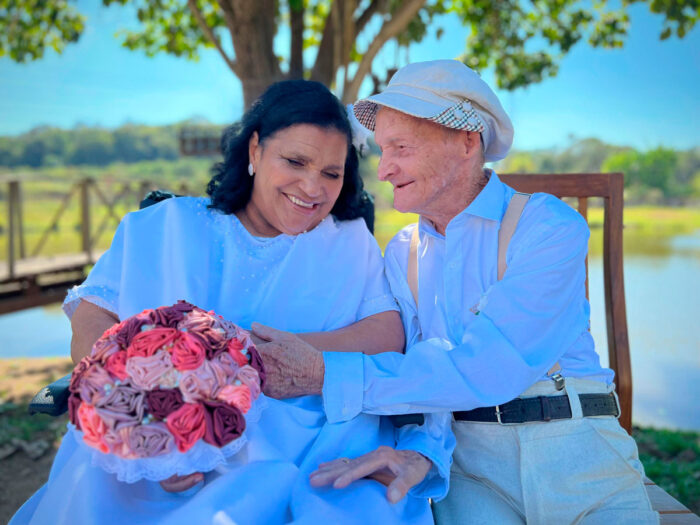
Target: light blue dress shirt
point(476, 341)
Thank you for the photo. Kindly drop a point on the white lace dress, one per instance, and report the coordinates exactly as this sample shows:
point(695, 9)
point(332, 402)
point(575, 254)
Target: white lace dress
point(325, 279)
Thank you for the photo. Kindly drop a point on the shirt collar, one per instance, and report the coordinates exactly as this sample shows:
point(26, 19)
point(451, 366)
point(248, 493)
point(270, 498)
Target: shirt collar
point(489, 204)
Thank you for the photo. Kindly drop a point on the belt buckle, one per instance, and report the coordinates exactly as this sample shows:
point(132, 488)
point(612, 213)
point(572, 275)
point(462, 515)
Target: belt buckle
point(498, 414)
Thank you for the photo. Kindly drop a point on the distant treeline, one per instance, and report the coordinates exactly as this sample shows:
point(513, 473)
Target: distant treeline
point(658, 176)
point(90, 146)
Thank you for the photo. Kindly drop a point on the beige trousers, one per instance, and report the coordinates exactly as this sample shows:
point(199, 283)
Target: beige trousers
point(579, 470)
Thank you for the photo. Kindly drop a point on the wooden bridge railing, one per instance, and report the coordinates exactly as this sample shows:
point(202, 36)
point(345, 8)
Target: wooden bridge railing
point(31, 277)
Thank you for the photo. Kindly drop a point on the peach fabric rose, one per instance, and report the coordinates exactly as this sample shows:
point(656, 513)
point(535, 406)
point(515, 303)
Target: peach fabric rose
point(187, 352)
point(93, 427)
point(187, 425)
point(238, 396)
point(235, 348)
point(150, 341)
point(116, 365)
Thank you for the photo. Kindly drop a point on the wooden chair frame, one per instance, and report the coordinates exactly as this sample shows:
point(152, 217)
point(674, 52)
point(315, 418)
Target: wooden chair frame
point(609, 187)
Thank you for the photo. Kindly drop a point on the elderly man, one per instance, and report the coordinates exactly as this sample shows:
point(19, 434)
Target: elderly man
point(491, 289)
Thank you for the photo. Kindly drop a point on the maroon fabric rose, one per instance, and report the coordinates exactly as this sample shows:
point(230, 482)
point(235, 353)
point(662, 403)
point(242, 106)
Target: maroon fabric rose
point(130, 327)
point(161, 402)
point(224, 423)
point(73, 405)
point(78, 371)
point(170, 316)
point(257, 363)
point(207, 329)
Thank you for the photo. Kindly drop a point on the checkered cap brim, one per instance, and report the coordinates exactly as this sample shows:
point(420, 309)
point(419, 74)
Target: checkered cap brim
point(460, 116)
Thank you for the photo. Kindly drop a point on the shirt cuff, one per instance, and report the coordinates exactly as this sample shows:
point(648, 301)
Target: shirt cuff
point(437, 481)
point(343, 385)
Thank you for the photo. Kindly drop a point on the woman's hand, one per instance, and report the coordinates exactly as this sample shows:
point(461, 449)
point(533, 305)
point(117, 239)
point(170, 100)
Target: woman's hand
point(399, 470)
point(181, 483)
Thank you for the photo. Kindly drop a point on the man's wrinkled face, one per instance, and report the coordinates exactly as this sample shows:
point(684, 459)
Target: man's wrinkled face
point(420, 159)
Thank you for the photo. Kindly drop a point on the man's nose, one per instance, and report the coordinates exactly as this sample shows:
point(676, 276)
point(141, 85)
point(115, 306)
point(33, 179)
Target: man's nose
point(385, 168)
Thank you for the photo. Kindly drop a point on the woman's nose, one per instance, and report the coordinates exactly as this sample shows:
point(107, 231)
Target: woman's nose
point(311, 185)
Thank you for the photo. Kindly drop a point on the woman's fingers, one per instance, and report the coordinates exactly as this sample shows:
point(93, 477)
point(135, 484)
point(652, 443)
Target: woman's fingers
point(181, 483)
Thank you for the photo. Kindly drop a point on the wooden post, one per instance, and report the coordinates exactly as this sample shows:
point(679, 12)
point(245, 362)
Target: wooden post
point(615, 308)
point(85, 217)
point(12, 194)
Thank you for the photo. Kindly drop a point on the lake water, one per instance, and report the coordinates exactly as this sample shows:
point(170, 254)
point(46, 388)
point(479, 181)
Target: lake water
point(662, 287)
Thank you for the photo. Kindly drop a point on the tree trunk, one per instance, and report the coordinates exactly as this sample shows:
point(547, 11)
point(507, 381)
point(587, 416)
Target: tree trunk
point(253, 29)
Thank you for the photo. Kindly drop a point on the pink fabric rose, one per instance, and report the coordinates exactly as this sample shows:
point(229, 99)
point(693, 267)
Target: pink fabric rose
point(238, 396)
point(235, 348)
point(93, 383)
point(147, 441)
point(206, 328)
point(201, 383)
point(187, 352)
point(77, 374)
point(250, 378)
point(187, 425)
point(103, 348)
point(118, 442)
point(150, 341)
point(116, 365)
point(224, 423)
point(123, 406)
point(146, 372)
point(93, 427)
point(228, 366)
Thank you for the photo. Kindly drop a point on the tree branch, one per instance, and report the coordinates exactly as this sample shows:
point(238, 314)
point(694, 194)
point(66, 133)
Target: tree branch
point(296, 54)
point(389, 30)
point(209, 33)
point(377, 6)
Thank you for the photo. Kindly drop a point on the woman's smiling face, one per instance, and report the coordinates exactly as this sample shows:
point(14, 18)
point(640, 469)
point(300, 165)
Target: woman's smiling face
point(298, 177)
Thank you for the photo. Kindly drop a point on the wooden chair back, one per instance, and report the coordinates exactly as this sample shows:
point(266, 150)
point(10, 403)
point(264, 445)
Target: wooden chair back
point(609, 187)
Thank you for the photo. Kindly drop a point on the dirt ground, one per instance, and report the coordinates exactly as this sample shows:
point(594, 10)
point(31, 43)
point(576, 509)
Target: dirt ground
point(28, 444)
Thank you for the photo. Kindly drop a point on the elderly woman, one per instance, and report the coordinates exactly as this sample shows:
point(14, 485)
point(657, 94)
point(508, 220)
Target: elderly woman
point(280, 242)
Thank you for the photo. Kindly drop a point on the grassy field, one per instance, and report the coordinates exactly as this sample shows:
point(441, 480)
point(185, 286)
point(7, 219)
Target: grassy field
point(28, 443)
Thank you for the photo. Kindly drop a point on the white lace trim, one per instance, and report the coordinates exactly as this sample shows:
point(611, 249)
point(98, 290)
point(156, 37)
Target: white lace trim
point(202, 457)
point(98, 295)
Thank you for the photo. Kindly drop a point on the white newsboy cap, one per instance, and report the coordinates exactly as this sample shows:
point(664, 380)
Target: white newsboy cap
point(449, 93)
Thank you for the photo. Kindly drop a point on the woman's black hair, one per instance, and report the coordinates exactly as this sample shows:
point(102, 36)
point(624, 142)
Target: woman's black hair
point(282, 105)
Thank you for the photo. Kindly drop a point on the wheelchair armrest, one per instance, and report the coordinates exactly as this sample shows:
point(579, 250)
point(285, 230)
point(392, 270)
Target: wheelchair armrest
point(52, 399)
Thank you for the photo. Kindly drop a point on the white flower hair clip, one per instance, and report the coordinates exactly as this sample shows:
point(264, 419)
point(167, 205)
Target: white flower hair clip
point(360, 134)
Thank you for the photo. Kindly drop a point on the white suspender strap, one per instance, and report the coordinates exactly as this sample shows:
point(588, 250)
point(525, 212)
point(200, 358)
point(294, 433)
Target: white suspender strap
point(508, 224)
point(412, 271)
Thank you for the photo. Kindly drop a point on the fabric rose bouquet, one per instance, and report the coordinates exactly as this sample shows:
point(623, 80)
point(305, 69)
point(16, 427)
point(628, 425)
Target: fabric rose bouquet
point(166, 392)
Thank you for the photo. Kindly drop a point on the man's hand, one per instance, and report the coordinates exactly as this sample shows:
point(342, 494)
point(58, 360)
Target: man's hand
point(399, 470)
point(181, 483)
point(293, 367)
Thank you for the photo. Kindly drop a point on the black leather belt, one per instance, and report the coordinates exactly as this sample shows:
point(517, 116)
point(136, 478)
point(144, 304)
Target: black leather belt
point(542, 408)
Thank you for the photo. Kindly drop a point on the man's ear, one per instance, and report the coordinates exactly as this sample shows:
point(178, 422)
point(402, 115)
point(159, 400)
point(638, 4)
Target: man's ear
point(472, 143)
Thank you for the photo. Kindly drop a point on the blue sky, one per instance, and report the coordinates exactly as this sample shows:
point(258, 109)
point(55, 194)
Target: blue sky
point(643, 95)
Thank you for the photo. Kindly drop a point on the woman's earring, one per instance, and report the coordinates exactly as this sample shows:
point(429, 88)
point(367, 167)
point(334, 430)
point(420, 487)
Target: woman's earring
point(250, 169)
